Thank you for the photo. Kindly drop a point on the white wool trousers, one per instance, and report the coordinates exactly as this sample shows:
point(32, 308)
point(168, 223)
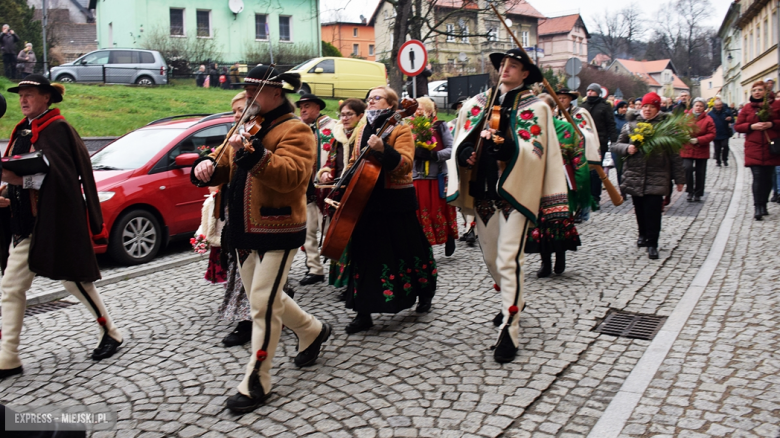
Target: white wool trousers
point(16, 282)
point(314, 223)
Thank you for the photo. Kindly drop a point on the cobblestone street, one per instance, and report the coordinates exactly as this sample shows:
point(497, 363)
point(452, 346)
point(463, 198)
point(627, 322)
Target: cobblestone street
point(433, 375)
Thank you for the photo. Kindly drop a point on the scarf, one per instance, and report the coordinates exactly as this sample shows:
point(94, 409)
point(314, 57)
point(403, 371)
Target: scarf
point(373, 115)
point(754, 100)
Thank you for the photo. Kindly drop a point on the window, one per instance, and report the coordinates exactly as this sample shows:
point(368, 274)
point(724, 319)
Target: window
point(766, 34)
point(356, 49)
point(261, 27)
point(327, 66)
point(96, 58)
point(774, 27)
point(285, 29)
point(758, 40)
point(750, 47)
point(147, 58)
point(355, 32)
point(524, 39)
point(710, 85)
point(465, 34)
point(745, 52)
point(450, 33)
point(177, 22)
point(370, 50)
point(492, 34)
point(206, 138)
point(203, 19)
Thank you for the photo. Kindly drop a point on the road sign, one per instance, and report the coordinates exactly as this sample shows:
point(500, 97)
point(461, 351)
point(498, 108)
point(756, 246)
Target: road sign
point(604, 92)
point(573, 83)
point(412, 58)
point(573, 67)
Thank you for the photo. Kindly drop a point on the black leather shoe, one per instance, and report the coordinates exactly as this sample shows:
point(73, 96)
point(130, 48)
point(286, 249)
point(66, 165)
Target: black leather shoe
point(697, 198)
point(499, 319)
point(360, 324)
point(757, 213)
point(449, 247)
point(641, 242)
point(690, 197)
point(241, 404)
point(240, 335)
point(10, 372)
point(107, 348)
point(726, 164)
point(652, 252)
point(311, 279)
point(505, 351)
point(424, 306)
point(312, 352)
point(471, 238)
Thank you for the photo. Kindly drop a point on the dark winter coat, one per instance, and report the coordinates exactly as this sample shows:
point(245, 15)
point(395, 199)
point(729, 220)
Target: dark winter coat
point(620, 120)
point(722, 126)
point(704, 135)
point(601, 112)
point(646, 175)
point(8, 43)
point(756, 144)
point(422, 83)
point(61, 241)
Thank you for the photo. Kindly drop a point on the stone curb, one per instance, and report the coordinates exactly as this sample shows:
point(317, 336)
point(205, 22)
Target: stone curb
point(60, 293)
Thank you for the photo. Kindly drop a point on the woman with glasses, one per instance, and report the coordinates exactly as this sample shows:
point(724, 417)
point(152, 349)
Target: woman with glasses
point(350, 116)
point(391, 262)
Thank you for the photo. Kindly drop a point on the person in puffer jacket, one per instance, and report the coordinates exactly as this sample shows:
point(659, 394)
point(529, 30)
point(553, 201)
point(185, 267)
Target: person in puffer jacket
point(647, 178)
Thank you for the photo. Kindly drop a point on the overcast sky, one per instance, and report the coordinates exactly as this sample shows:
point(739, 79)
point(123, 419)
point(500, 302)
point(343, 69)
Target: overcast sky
point(350, 10)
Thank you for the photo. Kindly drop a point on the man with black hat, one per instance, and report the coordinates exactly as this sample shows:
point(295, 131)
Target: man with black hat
point(44, 204)
point(604, 124)
point(268, 174)
point(519, 173)
point(316, 220)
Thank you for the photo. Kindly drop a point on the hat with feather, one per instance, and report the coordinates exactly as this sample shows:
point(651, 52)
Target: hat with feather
point(40, 82)
point(265, 74)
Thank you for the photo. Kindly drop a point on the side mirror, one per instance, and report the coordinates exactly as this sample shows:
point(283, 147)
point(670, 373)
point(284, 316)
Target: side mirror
point(186, 160)
point(318, 70)
point(83, 62)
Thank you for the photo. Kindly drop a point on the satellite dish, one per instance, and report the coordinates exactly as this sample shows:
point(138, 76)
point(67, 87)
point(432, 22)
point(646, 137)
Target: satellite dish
point(236, 6)
point(462, 57)
point(508, 22)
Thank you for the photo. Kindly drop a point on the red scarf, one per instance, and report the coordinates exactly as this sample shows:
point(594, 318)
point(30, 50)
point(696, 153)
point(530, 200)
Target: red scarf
point(38, 125)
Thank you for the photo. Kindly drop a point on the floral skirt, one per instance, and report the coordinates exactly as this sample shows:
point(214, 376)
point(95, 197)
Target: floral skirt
point(552, 237)
point(235, 305)
point(391, 263)
point(338, 276)
point(438, 219)
point(214, 271)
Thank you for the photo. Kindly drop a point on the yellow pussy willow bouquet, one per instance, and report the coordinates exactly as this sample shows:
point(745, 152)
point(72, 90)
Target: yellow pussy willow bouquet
point(423, 135)
point(667, 136)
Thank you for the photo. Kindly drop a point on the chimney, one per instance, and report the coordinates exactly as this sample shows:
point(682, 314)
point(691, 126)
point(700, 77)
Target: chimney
point(362, 20)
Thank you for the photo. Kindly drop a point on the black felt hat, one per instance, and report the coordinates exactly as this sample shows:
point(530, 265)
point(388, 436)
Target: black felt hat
point(534, 74)
point(461, 99)
point(574, 94)
point(265, 74)
point(40, 82)
point(308, 97)
point(2, 106)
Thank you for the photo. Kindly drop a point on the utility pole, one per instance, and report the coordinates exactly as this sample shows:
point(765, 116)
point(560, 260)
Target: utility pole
point(44, 20)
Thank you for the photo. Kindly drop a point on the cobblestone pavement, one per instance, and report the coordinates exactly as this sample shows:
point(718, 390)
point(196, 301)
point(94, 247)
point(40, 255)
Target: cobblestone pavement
point(433, 375)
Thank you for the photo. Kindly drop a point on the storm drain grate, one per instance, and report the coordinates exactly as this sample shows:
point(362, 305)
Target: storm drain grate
point(46, 307)
point(631, 325)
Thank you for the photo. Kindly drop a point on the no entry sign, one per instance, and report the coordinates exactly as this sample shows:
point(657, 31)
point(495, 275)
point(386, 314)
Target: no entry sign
point(412, 58)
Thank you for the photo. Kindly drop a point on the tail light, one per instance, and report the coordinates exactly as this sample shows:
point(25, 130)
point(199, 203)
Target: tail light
point(162, 71)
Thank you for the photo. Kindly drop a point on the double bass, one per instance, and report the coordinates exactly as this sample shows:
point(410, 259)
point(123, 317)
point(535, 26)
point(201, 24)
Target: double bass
point(362, 178)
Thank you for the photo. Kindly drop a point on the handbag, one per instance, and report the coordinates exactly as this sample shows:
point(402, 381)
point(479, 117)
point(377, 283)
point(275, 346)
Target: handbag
point(774, 144)
point(26, 164)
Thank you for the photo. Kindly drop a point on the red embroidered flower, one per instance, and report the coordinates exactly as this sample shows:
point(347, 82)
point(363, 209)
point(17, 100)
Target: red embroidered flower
point(425, 266)
point(527, 115)
point(566, 134)
point(435, 271)
point(408, 270)
point(357, 276)
point(496, 287)
point(392, 277)
point(326, 146)
point(535, 234)
point(536, 130)
point(261, 355)
point(326, 132)
point(383, 280)
point(579, 116)
point(525, 135)
point(423, 280)
point(407, 285)
point(467, 125)
point(576, 161)
point(475, 110)
point(513, 310)
point(388, 292)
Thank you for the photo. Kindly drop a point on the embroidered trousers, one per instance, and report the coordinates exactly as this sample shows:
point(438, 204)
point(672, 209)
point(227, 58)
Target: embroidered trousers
point(264, 276)
point(502, 240)
point(312, 244)
point(16, 282)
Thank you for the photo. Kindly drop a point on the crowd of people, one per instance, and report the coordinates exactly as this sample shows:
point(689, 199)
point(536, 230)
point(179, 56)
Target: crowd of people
point(522, 169)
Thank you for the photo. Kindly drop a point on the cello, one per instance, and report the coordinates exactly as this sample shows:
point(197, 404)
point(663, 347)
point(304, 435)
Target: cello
point(362, 177)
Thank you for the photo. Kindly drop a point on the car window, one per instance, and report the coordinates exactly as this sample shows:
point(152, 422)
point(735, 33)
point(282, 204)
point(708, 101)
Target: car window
point(123, 57)
point(327, 66)
point(146, 57)
point(134, 150)
point(96, 58)
point(200, 142)
point(442, 88)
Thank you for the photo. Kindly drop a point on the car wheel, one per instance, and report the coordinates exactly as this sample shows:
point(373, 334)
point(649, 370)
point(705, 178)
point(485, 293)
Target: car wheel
point(135, 238)
point(304, 90)
point(144, 80)
point(66, 78)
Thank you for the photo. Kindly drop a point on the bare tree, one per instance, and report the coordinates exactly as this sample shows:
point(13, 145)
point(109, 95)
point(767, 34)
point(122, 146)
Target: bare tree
point(680, 35)
point(635, 30)
point(619, 31)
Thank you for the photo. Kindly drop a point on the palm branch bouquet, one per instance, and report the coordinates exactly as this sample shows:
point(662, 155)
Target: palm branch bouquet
point(765, 113)
point(667, 136)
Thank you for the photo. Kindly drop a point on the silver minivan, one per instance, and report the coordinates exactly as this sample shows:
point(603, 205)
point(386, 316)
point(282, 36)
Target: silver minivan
point(115, 66)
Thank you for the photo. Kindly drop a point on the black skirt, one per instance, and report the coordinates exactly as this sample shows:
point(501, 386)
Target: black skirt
point(392, 263)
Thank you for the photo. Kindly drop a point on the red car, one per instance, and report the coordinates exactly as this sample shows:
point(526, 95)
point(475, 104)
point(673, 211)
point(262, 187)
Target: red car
point(143, 182)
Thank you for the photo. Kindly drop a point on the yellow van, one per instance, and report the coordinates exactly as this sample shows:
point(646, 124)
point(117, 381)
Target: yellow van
point(340, 77)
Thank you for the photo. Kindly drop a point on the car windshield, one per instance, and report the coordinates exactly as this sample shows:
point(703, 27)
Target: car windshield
point(134, 149)
point(300, 65)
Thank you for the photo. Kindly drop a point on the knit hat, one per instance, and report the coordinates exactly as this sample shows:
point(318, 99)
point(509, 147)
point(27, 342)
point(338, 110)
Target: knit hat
point(595, 87)
point(652, 99)
point(621, 104)
point(700, 99)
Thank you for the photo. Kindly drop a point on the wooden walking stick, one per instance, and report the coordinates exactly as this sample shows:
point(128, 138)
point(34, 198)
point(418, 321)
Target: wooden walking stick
point(614, 194)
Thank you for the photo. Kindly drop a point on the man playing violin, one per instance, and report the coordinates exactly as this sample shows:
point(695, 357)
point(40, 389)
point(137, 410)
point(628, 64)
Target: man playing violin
point(506, 174)
point(268, 172)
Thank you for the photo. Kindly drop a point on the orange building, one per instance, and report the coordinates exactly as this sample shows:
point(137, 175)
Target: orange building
point(352, 39)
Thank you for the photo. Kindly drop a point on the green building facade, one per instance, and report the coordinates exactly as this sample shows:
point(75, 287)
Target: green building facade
point(290, 28)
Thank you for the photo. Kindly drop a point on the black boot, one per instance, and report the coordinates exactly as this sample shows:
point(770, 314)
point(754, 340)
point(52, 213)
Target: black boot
point(505, 349)
point(546, 268)
point(449, 247)
point(362, 322)
point(641, 242)
point(690, 197)
point(471, 238)
point(240, 335)
point(13, 371)
point(560, 262)
point(758, 213)
point(774, 198)
point(652, 252)
point(107, 347)
point(764, 211)
point(424, 305)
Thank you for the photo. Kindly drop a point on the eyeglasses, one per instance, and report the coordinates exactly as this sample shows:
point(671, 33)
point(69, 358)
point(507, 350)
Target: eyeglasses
point(375, 98)
point(347, 115)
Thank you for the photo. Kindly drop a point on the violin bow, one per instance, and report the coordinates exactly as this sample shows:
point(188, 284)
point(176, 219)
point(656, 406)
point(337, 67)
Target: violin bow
point(614, 195)
point(244, 115)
